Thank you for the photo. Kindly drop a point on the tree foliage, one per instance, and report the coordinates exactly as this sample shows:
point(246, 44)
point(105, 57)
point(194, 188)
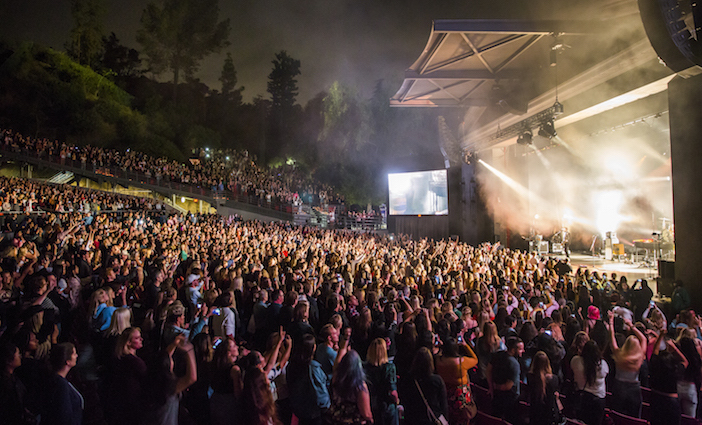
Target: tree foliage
point(121, 60)
point(177, 34)
point(44, 93)
point(282, 81)
point(346, 123)
point(229, 80)
point(284, 114)
point(85, 40)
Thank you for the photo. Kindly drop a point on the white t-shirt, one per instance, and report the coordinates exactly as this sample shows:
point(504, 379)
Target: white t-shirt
point(224, 324)
point(598, 387)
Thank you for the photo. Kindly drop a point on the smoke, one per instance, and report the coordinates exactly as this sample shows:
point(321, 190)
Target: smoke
point(616, 180)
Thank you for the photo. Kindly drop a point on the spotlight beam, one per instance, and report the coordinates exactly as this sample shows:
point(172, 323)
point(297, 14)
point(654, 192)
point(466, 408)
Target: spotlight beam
point(512, 184)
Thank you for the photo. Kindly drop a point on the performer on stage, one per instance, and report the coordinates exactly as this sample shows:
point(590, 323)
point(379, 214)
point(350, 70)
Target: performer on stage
point(566, 241)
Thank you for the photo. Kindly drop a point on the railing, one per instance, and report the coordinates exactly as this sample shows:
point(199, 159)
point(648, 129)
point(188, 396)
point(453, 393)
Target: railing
point(360, 223)
point(283, 211)
point(123, 175)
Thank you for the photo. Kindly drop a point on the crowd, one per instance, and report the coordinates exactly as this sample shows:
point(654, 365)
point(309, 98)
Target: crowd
point(212, 169)
point(150, 318)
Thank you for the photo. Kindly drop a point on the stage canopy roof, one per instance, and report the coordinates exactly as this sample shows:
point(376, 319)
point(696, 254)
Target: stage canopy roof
point(501, 72)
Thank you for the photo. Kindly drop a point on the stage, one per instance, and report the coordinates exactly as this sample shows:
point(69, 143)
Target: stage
point(621, 268)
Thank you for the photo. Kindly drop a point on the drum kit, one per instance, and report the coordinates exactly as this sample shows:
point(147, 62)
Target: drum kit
point(660, 246)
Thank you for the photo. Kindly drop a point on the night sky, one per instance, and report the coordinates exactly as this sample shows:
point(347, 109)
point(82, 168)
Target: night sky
point(356, 42)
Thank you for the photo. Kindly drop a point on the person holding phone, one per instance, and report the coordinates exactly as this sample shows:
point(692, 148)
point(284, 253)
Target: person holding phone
point(224, 324)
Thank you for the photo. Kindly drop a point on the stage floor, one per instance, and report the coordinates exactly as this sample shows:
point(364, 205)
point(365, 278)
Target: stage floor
point(621, 268)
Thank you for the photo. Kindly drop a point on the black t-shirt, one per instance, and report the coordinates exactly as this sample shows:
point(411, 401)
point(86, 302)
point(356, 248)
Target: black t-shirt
point(544, 410)
point(505, 368)
point(563, 268)
point(663, 373)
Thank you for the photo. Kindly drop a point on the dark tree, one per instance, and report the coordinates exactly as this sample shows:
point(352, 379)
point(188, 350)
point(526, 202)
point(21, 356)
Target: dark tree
point(282, 86)
point(177, 34)
point(282, 82)
point(121, 60)
point(85, 42)
point(228, 79)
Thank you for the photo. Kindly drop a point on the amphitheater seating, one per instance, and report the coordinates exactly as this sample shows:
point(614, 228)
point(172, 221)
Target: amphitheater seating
point(646, 411)
point(524, 411)
point(622, 419)
point(485, 419)
point(482, 398)
point(646, 394)
point(689, 420)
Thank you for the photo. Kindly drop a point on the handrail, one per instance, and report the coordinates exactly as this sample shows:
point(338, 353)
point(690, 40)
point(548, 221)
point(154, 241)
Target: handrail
point(282, 211)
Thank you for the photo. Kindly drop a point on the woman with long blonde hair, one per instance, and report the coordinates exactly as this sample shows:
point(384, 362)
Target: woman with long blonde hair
point(101, 308)
point(626, 388)
point(121, 320)
point(382, 377)
point(105, 343)
point(543, 392)
point(125, 379)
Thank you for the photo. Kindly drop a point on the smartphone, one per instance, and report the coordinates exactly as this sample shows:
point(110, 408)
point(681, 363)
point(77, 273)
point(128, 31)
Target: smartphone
point(216, 343)
point(216, 312)
point(547, 332)
point(199, 306)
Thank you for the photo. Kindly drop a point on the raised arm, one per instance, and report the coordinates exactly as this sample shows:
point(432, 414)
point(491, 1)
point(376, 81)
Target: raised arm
point(643, 342)
point(471, 357)
point(674, 348)
point(273, 356)
point(613, 339)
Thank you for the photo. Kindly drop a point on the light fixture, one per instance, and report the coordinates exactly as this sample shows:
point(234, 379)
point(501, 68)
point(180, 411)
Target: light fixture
point(525, 138)
point(547, 129)
point(557, 108)
point(468, 157)
point(556, 48)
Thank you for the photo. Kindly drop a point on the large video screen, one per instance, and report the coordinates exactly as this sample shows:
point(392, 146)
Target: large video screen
point(418, 193)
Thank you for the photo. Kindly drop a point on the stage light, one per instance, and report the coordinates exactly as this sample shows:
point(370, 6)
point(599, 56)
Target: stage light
point(468, 157)
point(547, 130)
point(557, 108)
point(525, 138)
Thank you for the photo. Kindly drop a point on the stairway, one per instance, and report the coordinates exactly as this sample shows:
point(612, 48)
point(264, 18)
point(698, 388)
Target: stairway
point(62, 177)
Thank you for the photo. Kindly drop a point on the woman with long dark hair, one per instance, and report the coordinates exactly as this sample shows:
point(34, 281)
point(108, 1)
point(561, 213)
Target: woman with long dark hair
point(589, 371)
point(691, 378)
point(12, 391)
point(543, 392)
point(258, 407)
point(307, 383)
point(226, 383)
point(453, 369)
point(423, 390)
point(406, 348)
point(166, 387)
point(664, 367)
point(350, 396)
point(197, 399)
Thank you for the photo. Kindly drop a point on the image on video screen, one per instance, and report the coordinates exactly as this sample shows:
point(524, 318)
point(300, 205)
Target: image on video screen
point(418, 193)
